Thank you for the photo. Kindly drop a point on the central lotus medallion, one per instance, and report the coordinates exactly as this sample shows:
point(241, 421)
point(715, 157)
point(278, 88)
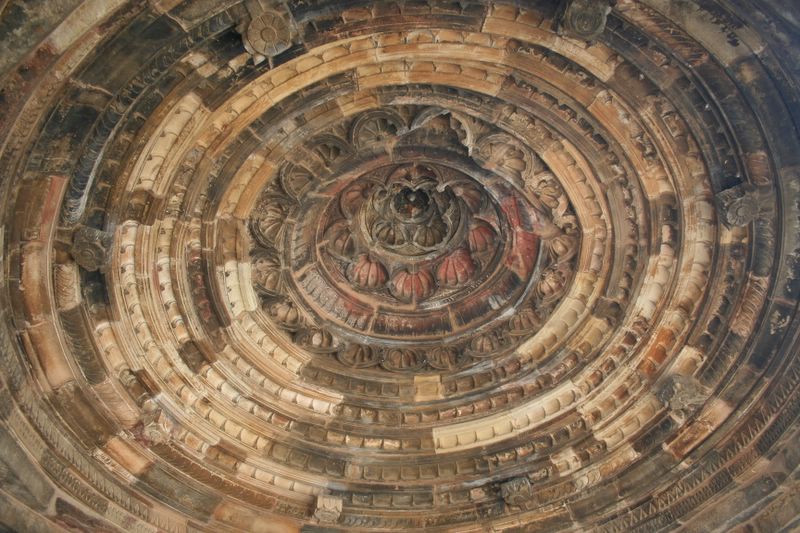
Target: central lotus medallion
point(417, 236)
point(410, 262)
point(408, 216)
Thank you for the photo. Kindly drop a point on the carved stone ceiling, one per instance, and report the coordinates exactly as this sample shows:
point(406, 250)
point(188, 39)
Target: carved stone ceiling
point(414, 265)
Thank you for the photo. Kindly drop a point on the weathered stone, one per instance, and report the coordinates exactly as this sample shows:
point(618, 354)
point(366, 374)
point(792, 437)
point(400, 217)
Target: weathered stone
point(328, 509)
point(20, 477)
point(268, 32)
point(417, 265)
point(91, 248)
point(517, 491)
point(585, 19)
point(738, 205)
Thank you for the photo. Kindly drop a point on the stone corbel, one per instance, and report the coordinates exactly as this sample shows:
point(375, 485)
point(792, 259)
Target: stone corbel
point(738, 206)
point(328, 509)
point(517, 491)
point(683, 395)
point(267, 29)
point(91, 248)
point(154, 431)
point(584, 19)
point(154, 427)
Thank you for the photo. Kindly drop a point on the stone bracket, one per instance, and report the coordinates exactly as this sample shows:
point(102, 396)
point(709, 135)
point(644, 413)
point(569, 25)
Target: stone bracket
point(584, 19)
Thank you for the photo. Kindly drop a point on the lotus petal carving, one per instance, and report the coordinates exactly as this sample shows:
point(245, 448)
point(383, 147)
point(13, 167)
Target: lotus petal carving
point(266, 271)
point(402, 360)
point(430, 235)
point(357, 356)
point(368, 273)
point(414, 286)
point(456, 269)
point(340, 240)
point(482, 237)
point(442, 358)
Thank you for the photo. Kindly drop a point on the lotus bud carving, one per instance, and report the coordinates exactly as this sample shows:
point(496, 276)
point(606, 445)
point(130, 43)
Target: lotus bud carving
point(402, 359)
point(413, 286)
point(388, 233)
point(524, 322)
point(368, 273)
point(442, 358)
point(430, 235)
point(353, 197)
point(486, 344)
point(563, 247)
point(357, 356)
point(551, 284)
point(340, 240)
point(481, 237)
point(266, 272)
point(456, 269)
point(316, 339)
point(286, 314)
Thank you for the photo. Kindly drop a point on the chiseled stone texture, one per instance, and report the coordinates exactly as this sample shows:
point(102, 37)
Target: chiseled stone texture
point(418, 265)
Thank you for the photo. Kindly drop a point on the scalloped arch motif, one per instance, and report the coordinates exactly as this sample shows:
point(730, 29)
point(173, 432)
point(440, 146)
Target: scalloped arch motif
point(420, 265)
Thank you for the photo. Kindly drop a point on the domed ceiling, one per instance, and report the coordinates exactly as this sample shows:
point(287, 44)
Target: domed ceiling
point(415, 265)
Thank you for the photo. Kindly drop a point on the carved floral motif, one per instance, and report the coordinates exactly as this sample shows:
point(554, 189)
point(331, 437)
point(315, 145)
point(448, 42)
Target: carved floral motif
point(738, 205)
point(516, 491)
point(482, 237)
point(367, 272)
point(90, 248)
point(413, 286)
point(267, 35)
point(456, 269)
point(266, 272)
point(435, 244)
point(419, 257)
point(328, 509)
